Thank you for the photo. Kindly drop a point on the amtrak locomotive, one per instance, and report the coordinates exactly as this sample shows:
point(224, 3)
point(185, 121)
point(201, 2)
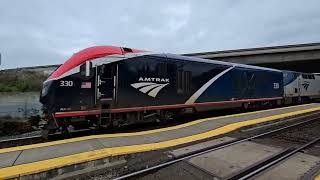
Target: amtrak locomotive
point(108, 86)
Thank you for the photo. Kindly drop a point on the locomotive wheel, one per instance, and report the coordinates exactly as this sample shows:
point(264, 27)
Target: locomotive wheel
point(161, 121)
point(65, 132)
point(165, 117)
point(245, 106)
point(45, 134)
point(64, 128)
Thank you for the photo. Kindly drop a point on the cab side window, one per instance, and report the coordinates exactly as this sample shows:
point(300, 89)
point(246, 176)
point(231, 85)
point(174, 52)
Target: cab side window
point(83, 69)
point(107, 71)
point(86, 69)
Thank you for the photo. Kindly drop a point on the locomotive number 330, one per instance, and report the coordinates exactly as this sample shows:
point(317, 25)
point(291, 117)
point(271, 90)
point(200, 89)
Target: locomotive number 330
point(66, 83)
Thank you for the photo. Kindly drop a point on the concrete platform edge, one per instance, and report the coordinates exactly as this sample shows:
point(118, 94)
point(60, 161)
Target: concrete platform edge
point(46, 165)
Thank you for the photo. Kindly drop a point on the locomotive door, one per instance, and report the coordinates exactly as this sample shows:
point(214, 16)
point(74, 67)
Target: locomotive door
point(106, 85)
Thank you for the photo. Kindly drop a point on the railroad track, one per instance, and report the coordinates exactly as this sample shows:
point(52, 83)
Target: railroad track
point(20, 141)
point(13, 142)
point(39, 139)
point(269, 162)
point(249, 171)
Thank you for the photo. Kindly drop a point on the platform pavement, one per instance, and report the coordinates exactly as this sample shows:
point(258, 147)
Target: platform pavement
point(317, 177)
point(30, 159)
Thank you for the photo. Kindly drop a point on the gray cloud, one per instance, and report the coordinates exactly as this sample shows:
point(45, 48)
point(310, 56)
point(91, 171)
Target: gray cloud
point(38, 32)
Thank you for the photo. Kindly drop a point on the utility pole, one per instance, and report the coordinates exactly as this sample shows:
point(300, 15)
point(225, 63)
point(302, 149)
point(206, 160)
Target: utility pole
point(0, 59)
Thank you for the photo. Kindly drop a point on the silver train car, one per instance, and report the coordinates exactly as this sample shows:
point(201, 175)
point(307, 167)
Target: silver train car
point(301, 87)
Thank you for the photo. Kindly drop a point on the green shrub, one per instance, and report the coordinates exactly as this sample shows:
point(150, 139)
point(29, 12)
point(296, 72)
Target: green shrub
point(21, 81)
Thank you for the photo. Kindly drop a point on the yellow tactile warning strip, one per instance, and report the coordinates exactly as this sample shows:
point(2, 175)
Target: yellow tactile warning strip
point(19, 148)
point(45, 165)
point(317, 177)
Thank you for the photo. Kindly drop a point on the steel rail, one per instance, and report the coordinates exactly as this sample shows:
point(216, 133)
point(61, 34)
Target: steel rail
point(214, 148)
point(7, 143)
point(264, 166)
point(19, 139)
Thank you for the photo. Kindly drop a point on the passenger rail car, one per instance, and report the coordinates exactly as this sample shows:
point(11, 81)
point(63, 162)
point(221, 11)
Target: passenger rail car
point(300, 87)
point(108, 86)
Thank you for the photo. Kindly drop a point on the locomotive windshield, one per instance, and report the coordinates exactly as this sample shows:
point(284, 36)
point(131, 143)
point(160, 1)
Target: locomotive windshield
point(45, 88)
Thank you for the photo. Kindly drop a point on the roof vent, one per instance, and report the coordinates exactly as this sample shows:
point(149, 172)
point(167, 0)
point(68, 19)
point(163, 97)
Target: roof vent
point(127, 49)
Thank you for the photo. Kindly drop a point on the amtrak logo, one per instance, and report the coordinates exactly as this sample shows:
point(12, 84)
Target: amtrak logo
point(152, 86)
point(306, 85)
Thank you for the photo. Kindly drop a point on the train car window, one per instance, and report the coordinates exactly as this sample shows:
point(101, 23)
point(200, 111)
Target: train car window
point(304, 76)
point(288, 77)
point(107, 71)
point(83, 69)
point(86, 69)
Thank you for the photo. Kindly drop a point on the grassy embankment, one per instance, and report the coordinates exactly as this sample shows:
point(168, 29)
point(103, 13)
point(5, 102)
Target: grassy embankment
point(21, 81)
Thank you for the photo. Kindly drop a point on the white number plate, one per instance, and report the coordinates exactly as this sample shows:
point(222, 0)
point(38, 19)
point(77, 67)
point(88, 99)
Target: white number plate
point(66, 83)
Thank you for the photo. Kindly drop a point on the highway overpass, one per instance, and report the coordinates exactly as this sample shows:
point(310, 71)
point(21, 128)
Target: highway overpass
point(301, 57)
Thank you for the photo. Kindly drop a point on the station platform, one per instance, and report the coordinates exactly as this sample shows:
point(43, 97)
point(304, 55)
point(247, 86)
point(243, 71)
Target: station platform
point(25, 160)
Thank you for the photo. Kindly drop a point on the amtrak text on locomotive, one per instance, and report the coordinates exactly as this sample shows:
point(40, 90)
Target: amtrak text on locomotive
point(148, 79)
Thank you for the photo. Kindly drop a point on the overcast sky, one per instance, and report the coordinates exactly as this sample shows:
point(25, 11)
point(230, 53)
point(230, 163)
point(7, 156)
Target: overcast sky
point(42, 32)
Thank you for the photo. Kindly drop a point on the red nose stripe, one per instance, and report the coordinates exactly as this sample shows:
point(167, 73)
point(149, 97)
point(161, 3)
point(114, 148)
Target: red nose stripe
point(88, 54)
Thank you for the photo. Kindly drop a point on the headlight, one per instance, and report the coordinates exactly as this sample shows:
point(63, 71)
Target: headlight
point(45, 88)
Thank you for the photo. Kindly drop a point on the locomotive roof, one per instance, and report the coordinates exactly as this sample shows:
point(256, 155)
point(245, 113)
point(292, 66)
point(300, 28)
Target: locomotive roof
point(173, 56)
point(88, 54)
point(102, 51)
